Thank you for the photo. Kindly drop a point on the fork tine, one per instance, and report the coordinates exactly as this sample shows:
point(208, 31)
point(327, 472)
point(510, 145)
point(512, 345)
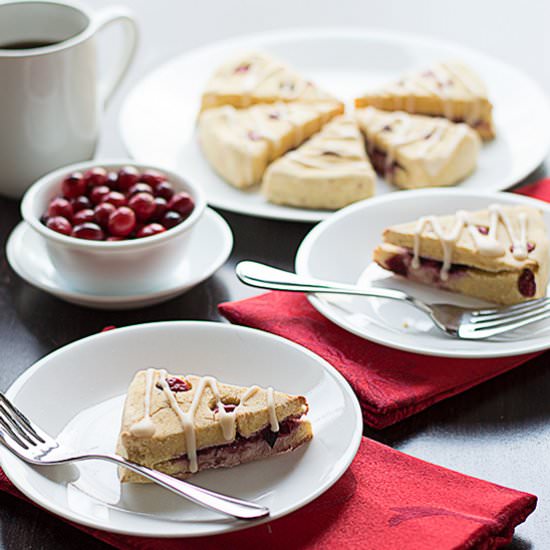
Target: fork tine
point(471, 331)
point(478, 316)
point(10, 437)
point(16, 426)
point(32, 428)
point(493, 323)
point(515, 308)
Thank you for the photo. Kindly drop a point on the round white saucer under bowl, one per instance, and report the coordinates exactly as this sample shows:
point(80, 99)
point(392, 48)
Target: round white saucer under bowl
point(209, 247)
point(111, 268)
point(340, 249)
point(87, 416)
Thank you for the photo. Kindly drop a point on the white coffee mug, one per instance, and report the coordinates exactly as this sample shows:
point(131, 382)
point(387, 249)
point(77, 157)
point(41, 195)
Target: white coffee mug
point(50, 94)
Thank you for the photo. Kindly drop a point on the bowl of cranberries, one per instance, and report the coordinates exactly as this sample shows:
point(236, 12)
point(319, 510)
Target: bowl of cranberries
point(113, 227)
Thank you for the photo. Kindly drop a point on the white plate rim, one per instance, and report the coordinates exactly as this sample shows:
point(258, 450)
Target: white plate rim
point(69, 294)
point(312, 33)
point(309, 242)
point(353, 447)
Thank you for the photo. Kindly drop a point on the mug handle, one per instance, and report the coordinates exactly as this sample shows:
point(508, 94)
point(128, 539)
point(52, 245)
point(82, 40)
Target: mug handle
point(117, 14)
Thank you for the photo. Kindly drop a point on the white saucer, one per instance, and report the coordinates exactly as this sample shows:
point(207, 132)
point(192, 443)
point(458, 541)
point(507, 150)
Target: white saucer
point(87, 417)
point(340, 249)
point(158, 118)
point(27, 255)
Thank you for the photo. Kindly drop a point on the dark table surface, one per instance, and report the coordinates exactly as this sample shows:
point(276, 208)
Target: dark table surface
point(498, 431)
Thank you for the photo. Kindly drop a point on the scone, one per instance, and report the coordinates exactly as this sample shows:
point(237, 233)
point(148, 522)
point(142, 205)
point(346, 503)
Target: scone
point(182, 425)
point(451, 90)
point(256, 77)
point(500, 254)
point(329, 171)
point(240, 143)
point(414, 151)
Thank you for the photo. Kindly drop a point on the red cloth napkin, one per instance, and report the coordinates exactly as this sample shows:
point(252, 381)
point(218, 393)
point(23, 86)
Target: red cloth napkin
point(390, 384)
point(386, 500)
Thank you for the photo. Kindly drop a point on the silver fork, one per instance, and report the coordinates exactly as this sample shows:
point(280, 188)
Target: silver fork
point(31, 444)
point(466, 323)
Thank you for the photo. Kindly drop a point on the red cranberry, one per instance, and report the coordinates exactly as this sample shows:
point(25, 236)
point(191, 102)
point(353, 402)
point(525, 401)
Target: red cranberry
point(89, 231)
point(140, 187)
point(177, 384)
point(79, 203)
point(97, 194)
point(96, 176)
point(164, 190)
point(83, 216)
point(244, 68)
point(150, 230)
point(102, 213)
point(171, 219)
point(527, 285)
point(483, 229)
point(122, 222)
point(127, 176)
point(60, 224)
point(112, 180)
point(182, 203)
point(161, 206)
point(228, 407)
point(115, 198)
point(73, 185)
point(152, 177)
point(60, 207)
point(143, 205)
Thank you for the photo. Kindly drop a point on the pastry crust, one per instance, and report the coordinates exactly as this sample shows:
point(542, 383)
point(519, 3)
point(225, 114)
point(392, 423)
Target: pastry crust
point(501, 254)
point(240, 143)
point(168, 441)
point(414, 151)
point(450, 89)
point(256, 77)
point(329, 171)
point(499, 287)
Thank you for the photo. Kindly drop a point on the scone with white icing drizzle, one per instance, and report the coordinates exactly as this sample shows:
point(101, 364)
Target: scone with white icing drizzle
point(451, 90)
point(181, 425)
point(256, 77)
point(415, 151)
point(240, 143)
point(500, 254)
point(329, 171)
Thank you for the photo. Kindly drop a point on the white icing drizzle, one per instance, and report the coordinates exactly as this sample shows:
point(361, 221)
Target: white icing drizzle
point(271, 409)
point(146, 427)
point(227, 419)
point(487, 245)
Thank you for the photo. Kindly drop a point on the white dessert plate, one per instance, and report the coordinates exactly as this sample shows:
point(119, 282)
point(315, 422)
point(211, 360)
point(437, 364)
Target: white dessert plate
point(340, 249)
point(210, 246)
point(158, 117)
point(78, 392)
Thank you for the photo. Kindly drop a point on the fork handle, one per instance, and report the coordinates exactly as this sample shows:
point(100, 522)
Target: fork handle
point(264, 276)
point(237, 508)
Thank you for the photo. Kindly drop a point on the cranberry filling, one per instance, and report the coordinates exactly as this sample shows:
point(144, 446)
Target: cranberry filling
point(526, 283)
point(178, 384)
point(400, 265)
point(378, 160)
point(483, 229)
point(530, 247)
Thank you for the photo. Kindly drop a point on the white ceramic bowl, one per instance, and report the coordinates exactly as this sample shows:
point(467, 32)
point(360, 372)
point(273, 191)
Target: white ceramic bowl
point(111, 268)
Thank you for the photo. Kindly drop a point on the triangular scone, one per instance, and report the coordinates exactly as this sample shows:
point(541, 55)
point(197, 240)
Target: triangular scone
point(329, 171)
point(500, 254)
point(256, 77)
point(451, 90)
point(414, 151)
point(180, 425)
point(240, 143)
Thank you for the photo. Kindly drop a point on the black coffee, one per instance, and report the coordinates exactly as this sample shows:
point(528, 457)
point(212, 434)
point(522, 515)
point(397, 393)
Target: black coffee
point(26, 44)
